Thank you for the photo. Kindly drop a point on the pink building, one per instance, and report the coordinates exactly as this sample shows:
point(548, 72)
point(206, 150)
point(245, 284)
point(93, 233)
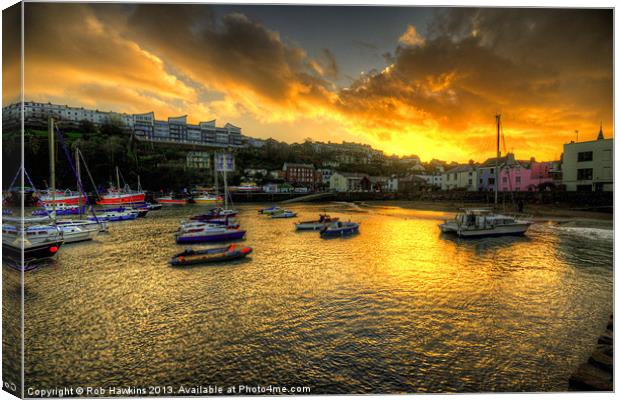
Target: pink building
point(524, 176)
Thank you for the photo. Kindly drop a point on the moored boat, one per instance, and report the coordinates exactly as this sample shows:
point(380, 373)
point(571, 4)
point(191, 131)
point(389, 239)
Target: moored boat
point(220, 254)
point(37, 241)
point(323, 221)
point(214, 213)
point(170, 201)
point(208, 199)
point(58, 197)
point(284, 214)
point(483, 222)
point(340, 228)
point(270, 210)
point(209, 233)
point(114, 216)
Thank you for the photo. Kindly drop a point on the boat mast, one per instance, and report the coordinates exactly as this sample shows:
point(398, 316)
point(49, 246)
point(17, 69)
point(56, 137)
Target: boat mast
point(79, 180)
point(52, 167)
point(215, 172)
point(498, 118)
point(225, 191)
point(118, 181)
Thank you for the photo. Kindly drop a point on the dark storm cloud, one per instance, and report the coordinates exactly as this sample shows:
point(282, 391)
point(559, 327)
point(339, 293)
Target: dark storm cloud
point(479, 61)
point(237, 52)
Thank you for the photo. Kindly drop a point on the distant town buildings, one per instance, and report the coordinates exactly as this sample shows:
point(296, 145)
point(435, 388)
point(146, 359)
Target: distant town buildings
point(588, 166)
point(585, 166)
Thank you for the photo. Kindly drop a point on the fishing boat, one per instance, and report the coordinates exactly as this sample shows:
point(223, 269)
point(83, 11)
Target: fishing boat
point(220, 254)
point(125, 196)
point(208, 233)
point(483, 222)
point(60, 197)
point(114, 216)
point(323, 221)
point(480, 222)
point(284, 214)
point(340, 228)
point(208, 199)
point(170, 201)
point(270, 210)
point(36, 240)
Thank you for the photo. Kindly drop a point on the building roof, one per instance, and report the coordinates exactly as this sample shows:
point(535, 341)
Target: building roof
point(492, 162)
point(461, 168)
point(293, 165)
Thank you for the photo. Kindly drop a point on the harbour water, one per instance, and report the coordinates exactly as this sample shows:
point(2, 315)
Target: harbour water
point(397, 308)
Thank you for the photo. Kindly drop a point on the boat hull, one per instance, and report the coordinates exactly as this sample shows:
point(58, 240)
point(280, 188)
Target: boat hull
point(38, 251)
point(126, 199)
point(504, 230)
point(215, 237)
point(171, 202)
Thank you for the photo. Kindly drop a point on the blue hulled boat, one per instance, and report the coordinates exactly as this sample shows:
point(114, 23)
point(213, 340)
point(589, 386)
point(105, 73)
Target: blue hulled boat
point(340, 229)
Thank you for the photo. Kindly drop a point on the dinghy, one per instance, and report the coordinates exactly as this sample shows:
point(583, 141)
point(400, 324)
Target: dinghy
point(220, 254)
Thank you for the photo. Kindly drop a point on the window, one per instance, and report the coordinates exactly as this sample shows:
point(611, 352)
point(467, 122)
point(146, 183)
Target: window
point(491, 181)
point(518, 179)
point(504, 180)
point(492, 170)
point(584, 156)
point(584, 174)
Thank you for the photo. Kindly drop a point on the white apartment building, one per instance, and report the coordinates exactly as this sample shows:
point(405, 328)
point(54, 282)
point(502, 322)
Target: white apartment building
point(588, 166)
point(144, 126)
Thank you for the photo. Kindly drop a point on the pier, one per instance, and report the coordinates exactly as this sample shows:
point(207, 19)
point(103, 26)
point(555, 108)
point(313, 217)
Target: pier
point(598, 373)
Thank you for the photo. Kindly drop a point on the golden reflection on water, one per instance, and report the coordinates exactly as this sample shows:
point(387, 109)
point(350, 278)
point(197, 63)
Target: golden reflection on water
point(397, 308)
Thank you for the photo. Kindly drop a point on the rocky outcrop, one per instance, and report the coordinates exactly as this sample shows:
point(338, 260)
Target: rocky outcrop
point(598, 373)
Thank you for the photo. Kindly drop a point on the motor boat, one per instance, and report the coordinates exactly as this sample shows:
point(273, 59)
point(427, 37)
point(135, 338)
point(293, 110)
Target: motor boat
point(36, 240)
point(284, 214)
point(270, 210)
point(113, 216)
point(323, 221)
point(340, 228)
point(100, 225)
point(478, 222)
point(220, 254)
point(208, 233)
point(215, 213)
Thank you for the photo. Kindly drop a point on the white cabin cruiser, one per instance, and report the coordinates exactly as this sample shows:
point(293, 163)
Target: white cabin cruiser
point(483, 222)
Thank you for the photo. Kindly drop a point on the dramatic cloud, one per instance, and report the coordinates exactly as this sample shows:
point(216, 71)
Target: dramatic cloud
point(411, 37)
point(548, 72)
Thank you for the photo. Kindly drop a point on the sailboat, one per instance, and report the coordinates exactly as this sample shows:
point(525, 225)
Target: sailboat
point(480, 222)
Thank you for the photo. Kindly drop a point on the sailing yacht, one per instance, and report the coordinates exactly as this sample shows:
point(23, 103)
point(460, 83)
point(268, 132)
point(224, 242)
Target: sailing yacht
point(30, 235)
point(479, 222)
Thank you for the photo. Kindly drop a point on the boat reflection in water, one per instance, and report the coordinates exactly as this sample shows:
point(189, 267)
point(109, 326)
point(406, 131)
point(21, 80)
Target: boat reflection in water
point(393, 309)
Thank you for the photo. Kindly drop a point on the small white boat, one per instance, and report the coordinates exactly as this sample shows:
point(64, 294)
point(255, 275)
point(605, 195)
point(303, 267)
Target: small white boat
point(112, 216)
point(25, 236)
point(101, 226)
point(284, 214)
point(483, 222)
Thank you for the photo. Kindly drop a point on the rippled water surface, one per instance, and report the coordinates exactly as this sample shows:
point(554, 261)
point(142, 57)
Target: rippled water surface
point(397, 308)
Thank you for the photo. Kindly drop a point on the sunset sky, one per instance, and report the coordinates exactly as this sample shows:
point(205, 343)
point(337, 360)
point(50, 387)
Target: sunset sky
point(406, 80)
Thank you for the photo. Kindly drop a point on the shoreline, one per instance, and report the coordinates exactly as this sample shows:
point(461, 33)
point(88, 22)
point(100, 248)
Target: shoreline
point(537, 212)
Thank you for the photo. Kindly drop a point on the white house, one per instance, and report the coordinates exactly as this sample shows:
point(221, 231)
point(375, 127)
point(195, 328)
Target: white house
point(588, 166)
point(460, 177)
